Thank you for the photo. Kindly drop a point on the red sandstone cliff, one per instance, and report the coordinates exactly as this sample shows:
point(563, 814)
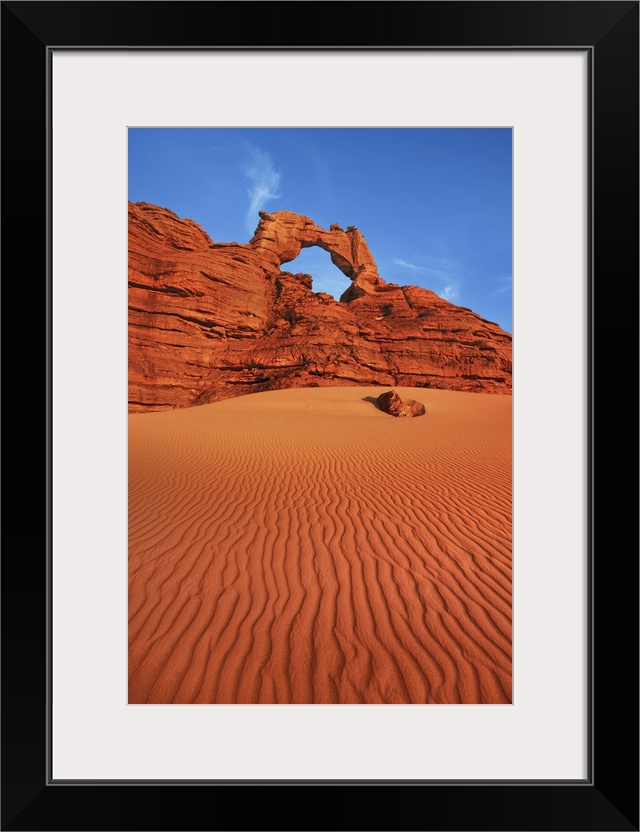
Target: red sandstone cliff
point(209, 321)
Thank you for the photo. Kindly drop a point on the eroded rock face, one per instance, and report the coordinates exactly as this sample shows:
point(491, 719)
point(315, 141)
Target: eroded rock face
point(392, 404)
point(210, 321)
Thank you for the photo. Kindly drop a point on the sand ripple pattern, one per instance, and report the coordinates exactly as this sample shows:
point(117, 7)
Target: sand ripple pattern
point(303, 547)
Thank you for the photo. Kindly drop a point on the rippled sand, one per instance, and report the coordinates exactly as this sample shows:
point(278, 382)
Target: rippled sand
point(300, 546)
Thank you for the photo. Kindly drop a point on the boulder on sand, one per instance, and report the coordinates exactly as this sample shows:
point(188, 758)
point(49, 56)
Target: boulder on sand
point(392, 404)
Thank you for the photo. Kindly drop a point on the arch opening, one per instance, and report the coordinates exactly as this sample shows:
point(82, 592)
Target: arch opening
point(317, 262)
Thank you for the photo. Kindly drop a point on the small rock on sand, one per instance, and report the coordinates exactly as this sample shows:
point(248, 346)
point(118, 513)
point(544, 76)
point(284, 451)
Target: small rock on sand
point(392, 404)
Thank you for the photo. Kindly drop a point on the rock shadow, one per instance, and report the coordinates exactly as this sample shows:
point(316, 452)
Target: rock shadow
point(372, 400)
point(391, 403)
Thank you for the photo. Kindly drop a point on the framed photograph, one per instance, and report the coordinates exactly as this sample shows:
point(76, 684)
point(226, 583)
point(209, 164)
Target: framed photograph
point(468, 696)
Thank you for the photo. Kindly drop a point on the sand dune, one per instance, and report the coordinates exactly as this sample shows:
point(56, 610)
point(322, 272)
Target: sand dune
point(300, 546)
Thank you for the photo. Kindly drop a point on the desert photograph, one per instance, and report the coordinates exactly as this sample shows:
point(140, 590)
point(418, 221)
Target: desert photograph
point(320, 416)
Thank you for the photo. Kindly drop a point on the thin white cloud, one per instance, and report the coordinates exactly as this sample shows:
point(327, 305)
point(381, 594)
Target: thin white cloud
point(265, 183)
point(504, 288)
point(450, 292)
point(438, 267)
point(437, 271)
point(406, 265)
point(332, 285)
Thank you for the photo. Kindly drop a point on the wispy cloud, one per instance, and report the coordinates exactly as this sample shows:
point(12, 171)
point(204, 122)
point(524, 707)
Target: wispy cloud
point(440, 272)
point(504, 287)
point(325, 282)
point(406, 265)
point(265, 183)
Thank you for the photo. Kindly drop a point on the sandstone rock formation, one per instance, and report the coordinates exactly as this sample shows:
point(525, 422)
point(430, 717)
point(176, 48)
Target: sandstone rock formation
point(209, 321)
point(392, 404)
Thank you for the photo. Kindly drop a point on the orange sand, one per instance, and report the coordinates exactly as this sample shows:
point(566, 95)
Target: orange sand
point(300, 546)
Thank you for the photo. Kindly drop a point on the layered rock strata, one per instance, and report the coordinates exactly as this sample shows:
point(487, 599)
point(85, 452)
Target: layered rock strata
point(209, 321)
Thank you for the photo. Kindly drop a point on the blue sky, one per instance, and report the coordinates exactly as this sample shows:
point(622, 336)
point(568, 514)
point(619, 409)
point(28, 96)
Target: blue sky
point(433, 204)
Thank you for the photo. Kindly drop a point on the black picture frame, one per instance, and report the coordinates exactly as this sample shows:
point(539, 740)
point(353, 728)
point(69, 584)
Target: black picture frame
point(608, 798)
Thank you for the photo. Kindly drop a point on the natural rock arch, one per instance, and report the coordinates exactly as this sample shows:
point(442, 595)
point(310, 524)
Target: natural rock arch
point(210, 321)
point(280, 237)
